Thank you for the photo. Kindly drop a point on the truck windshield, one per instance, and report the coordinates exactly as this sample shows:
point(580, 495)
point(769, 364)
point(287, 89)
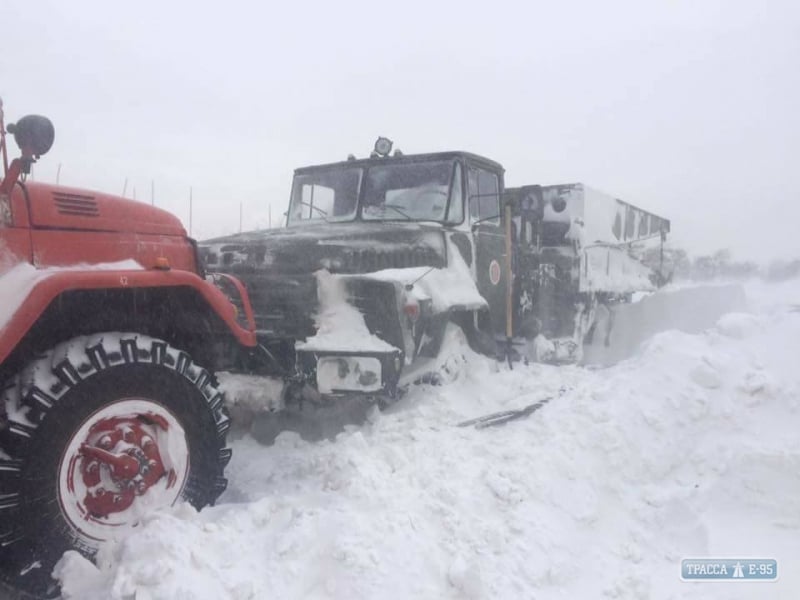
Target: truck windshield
point(325, 195)
point(411, 191)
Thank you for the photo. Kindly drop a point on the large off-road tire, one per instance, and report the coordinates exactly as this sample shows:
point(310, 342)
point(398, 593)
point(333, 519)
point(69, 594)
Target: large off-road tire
point(93, 433)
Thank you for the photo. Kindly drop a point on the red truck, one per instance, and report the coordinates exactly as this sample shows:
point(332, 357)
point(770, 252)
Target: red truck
point(110, 333)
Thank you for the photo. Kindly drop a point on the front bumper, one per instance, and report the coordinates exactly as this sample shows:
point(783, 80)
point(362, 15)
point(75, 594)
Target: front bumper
point(352, 372)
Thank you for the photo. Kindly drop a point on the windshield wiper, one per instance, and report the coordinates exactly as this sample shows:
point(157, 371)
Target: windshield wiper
point(484, 220)
point(319, 210)
point(398, 210)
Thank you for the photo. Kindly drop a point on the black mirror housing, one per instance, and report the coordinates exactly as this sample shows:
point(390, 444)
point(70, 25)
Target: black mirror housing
point(34, 135)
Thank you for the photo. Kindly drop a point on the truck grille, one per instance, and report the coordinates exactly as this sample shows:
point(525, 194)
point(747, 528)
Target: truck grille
point(284, 305)
point(367, 260)
point(377, 301)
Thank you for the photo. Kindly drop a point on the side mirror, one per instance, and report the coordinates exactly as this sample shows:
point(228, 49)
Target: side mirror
point(530, 201)
point(34, 135)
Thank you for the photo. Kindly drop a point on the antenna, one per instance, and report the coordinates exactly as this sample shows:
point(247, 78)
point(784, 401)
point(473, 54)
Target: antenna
point(125, 187)
point(269, 213)
point(152, 193)
point(240, 217)
point(58, 174)
point(3, 149)
point(190, 211)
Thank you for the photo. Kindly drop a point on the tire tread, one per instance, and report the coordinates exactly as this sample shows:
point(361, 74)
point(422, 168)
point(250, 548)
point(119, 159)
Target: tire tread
point(28, 397)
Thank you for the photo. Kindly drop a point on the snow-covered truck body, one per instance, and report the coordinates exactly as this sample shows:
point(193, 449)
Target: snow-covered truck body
point(574, 252)
point(104, 413)
point(380, 254)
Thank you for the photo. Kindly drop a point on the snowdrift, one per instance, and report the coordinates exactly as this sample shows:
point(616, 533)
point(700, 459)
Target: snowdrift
point(691, 309)
point(689, 448)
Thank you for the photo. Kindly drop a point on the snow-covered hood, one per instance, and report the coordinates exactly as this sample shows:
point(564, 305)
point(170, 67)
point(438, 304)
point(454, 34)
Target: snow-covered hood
point(354, 247)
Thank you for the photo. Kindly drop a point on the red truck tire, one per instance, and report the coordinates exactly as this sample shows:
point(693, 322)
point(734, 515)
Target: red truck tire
point(94, 431)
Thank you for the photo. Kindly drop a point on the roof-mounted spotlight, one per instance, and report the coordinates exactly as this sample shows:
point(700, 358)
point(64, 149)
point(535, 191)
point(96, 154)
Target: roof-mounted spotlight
point(34, 135)
point(383, 146)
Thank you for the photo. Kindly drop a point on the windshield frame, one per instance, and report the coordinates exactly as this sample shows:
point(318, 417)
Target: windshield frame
point(397, 214)
point(317, 216)
point(457, 168)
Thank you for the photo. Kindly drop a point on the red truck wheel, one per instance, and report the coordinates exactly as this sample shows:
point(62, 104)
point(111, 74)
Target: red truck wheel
point(97, 432)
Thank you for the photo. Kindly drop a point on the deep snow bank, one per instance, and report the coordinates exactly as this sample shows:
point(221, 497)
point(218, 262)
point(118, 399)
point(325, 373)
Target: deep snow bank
point(688, 449)
point(689, 308)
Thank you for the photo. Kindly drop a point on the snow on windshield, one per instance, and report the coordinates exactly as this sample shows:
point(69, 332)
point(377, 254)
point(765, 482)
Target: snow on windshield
point(417, 191)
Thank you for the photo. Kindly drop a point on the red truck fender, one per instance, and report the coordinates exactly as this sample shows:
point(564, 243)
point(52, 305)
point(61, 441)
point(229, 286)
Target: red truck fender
point(48, 284)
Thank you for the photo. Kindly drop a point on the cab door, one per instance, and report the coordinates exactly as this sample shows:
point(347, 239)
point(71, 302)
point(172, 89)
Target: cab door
point(485, 220)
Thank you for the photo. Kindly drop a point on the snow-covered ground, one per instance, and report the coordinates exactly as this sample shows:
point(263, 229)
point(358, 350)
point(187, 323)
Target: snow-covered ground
point(688, 449)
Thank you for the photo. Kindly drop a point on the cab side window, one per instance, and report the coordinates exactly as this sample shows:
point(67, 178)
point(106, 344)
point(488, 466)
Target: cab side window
point(455, 212)
point(484, 196)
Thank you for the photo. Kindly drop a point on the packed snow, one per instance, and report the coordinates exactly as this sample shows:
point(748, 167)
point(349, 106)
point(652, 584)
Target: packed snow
point(687, 308)
point(687, 449)
point(340, 325)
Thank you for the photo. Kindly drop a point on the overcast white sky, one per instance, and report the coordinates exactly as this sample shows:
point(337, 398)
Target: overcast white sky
point(688, 108)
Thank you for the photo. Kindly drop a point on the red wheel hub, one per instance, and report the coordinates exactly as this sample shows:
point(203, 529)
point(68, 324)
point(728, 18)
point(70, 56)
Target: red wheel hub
point(121, 461)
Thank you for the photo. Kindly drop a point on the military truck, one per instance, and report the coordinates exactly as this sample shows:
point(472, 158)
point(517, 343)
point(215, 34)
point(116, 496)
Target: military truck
point(379, 255)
